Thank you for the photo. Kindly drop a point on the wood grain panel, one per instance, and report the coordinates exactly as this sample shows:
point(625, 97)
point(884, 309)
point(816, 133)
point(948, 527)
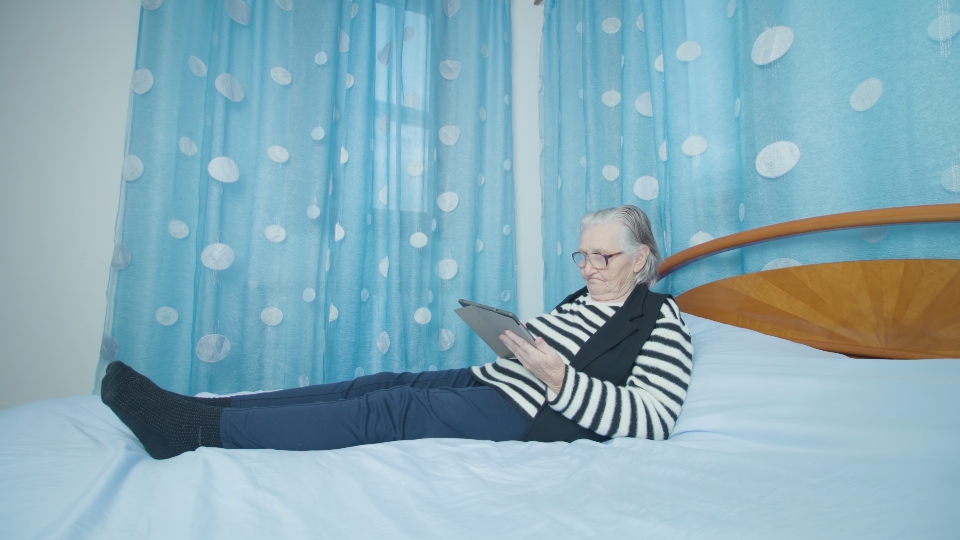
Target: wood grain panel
point(880, 309)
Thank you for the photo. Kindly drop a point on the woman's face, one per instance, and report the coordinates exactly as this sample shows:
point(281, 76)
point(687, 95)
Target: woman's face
point(616, 281)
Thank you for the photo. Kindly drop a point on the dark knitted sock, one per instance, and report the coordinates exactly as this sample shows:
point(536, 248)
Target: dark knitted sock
point(129, 372)
point(167, 424)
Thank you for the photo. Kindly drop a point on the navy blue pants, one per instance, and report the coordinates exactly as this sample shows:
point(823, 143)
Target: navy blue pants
point(372, 409)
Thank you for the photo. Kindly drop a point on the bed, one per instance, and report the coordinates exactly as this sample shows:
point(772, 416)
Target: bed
point(776, 439)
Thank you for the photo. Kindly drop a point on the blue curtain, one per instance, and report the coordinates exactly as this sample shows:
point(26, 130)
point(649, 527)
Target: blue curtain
point(717, 116)
point(309, 187)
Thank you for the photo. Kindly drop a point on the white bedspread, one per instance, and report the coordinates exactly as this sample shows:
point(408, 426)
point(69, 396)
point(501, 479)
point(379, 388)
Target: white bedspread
point(775, 441)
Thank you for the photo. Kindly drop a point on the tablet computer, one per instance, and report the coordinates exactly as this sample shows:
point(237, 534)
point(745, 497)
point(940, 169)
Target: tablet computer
point(489, 322)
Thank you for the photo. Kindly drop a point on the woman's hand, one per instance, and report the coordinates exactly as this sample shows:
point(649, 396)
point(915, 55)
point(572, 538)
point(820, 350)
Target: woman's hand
point(541, 360)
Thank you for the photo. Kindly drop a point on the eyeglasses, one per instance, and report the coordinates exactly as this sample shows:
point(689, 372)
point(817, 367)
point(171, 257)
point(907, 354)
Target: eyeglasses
point(598, 260)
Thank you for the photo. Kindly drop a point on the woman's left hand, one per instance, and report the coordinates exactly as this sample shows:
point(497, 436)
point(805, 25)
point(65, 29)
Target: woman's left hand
point(542, 360)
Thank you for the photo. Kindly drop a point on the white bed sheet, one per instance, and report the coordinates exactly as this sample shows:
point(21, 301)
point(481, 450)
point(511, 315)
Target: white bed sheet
point(775, 440)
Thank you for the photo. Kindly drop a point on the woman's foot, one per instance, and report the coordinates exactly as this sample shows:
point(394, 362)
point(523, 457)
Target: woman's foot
point(167, 424)
point(222, 402)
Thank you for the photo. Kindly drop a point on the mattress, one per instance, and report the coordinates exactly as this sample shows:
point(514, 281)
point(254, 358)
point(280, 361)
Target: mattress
point(775, 440)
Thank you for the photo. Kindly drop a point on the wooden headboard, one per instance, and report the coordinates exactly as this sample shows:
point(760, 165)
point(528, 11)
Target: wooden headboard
point(904, 309)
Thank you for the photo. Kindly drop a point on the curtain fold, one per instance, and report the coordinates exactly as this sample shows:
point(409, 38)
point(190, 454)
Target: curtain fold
point(309, 188)
point(735, 115)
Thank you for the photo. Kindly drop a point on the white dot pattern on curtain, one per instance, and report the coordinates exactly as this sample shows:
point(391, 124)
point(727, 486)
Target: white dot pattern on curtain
point(722, 119)
point(299, 187)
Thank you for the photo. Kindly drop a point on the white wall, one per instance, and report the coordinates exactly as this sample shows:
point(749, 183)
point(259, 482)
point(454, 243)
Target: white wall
point(527, 21)
point(64, 94)
point(64, 89)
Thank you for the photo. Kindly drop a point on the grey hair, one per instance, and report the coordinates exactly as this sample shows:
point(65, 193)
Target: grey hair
point(635, 233)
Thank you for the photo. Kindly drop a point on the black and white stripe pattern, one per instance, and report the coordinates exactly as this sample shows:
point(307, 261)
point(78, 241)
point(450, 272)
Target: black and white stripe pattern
point(647, 406)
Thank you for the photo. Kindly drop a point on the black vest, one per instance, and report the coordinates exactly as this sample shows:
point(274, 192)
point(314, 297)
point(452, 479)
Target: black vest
point(608, 355)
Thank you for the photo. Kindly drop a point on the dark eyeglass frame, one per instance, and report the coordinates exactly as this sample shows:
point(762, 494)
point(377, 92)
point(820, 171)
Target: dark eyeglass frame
point(592, 257)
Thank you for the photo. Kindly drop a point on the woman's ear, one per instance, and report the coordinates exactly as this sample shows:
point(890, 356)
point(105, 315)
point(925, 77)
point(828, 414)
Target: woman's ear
point(640, 259)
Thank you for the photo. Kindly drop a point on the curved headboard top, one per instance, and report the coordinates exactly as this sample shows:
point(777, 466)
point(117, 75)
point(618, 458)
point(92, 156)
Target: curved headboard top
point(930, 213)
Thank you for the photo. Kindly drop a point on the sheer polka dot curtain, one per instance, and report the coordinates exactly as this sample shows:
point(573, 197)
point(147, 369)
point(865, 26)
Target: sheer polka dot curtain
point(716, 116)
point(309, 187)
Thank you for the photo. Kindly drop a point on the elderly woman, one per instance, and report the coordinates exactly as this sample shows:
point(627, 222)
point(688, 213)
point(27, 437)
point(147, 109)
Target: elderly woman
point(612, 360)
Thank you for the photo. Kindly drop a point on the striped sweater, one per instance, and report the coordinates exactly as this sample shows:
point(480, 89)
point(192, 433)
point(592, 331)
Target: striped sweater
point(647, 406)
